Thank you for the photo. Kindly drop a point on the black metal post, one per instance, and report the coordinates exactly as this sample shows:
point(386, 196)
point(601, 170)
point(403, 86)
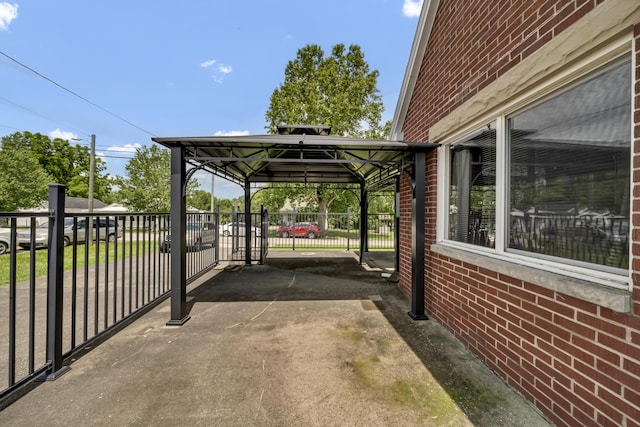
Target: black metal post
point(55, 284)
point(264, 233)
point(417, 237)
point(364, 222)
point(247, 223)
point(178, 227)
point(396, 226)
point(217, 224)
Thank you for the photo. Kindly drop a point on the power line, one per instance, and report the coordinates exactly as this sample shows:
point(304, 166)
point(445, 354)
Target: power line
point(76, 95)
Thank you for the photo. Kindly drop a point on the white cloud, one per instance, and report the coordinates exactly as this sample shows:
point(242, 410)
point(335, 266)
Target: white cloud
point(62, 134)
point(8, 12)
point(231, 133)
point(208, 64)
point(128, 148)
point(411, 8)
point(219, 72)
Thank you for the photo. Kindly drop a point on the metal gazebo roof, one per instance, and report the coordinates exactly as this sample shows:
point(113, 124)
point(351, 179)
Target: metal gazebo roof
point(299, 155)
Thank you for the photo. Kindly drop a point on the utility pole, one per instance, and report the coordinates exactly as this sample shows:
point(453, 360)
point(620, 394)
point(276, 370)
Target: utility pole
point(213, 201)
point(92, 171)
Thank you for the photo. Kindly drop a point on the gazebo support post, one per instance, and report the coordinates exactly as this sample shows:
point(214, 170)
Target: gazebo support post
point(417, 237)
point(247, 223)
point(178, 214)
point(364, 223)
point(396, 226)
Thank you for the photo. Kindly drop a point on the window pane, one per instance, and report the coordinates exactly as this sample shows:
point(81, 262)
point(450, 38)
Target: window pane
point(570, 161)
point(472, 192)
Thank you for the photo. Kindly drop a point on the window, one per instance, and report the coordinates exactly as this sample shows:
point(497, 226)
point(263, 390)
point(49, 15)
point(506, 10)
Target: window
point(472, 189)
point(566, 167)
point(569, 186)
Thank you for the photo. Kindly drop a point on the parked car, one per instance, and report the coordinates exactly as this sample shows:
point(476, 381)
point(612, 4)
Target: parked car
point(309, 230)
point(198, 236)
point(236, 228)
point(5, 240)
point(41, 239)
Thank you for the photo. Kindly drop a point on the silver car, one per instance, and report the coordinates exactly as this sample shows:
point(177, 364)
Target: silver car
point(41, 237)
point(198, 236)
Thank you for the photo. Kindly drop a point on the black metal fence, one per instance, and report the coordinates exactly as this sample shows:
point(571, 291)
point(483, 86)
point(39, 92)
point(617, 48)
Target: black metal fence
point(64, 284)
point(68, 279)
point(334, 231)
point(301, 231)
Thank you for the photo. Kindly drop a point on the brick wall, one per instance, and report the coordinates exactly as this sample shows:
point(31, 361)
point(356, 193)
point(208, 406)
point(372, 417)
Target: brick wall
point(578, 362)
point(465, 58)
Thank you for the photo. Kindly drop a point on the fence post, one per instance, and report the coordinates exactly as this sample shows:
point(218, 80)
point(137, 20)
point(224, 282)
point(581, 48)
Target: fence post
point(54, 284)
point(293, 230)
point(216, 251)
point(348, 228)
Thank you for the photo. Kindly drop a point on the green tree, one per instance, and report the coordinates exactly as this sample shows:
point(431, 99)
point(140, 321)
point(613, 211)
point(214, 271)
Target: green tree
point(65, 163)
point(227, 205)
point(200, 200)
point(338, 91)
point(23, 182)
point(146, 186)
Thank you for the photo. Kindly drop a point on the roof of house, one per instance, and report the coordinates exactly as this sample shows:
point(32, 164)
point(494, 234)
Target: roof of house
point(81, 203)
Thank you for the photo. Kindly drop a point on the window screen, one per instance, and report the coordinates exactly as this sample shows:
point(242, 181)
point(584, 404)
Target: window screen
point(570, 170)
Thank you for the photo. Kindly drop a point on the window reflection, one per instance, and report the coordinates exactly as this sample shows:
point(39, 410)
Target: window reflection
point(570, 172)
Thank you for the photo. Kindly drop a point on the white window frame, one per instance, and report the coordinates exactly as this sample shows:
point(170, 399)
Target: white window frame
point(568, 271)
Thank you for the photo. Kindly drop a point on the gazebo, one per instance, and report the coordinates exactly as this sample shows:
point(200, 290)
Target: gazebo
point(297, 154)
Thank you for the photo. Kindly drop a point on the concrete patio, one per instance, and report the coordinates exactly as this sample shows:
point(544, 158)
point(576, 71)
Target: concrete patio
point(307, 339)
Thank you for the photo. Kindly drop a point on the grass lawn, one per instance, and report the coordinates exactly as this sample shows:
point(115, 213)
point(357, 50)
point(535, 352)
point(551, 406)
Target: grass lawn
point(23, 260)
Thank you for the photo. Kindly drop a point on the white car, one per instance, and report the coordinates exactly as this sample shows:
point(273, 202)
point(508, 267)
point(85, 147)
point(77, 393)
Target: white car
point(5, 240)
point(236, 228)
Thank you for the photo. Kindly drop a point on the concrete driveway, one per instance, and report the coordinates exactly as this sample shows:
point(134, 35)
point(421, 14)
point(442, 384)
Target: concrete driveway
point(307, 339)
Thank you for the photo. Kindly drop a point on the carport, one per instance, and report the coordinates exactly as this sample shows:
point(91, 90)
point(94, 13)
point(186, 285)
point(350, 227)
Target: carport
point(297, 154)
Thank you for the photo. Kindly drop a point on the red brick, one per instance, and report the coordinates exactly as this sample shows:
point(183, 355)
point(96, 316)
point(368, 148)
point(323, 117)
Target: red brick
point(598, 377)
point(591, 350)
point(617, 374)
point(610, 410)
point(554, 329)
point(631, 366)
point(602, 325)
point(618, 345)
point(558, 308)
point(576, 327)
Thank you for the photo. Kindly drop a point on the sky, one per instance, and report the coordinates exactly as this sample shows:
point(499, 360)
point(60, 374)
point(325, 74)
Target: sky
point(126, 71)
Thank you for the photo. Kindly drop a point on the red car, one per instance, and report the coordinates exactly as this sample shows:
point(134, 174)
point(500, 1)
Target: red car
point(309, 230)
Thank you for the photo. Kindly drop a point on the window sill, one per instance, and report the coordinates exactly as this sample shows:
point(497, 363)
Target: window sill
point(615, 299)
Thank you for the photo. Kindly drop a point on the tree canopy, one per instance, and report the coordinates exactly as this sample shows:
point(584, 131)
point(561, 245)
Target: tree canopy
point(23, 181)
point(338, 91)
point(146, 186)
point(63, 163)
